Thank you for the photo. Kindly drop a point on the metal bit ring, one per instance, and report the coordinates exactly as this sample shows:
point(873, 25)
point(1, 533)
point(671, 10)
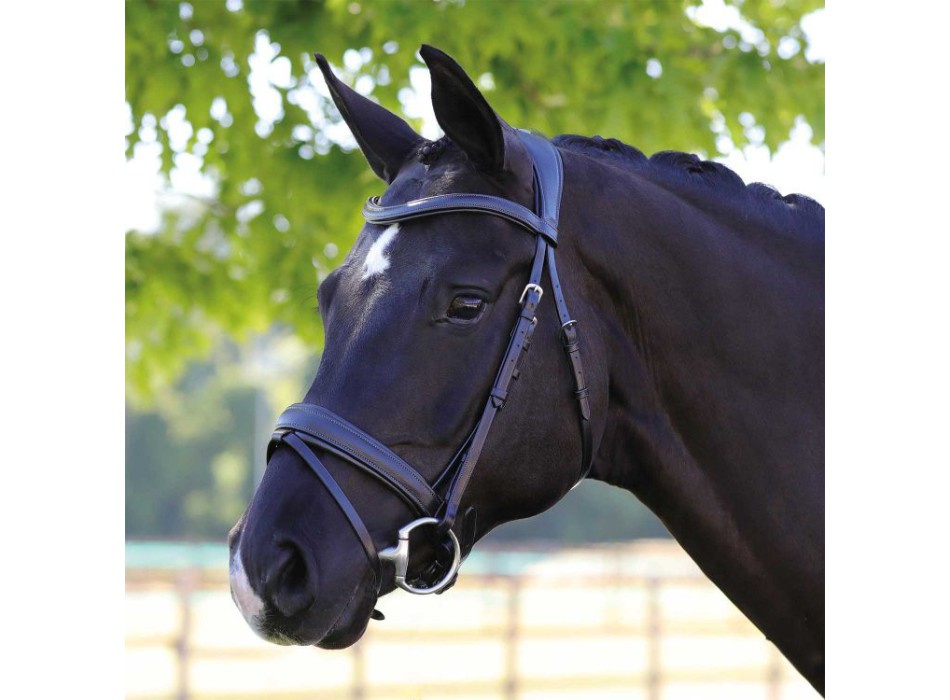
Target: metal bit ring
point(399, 556)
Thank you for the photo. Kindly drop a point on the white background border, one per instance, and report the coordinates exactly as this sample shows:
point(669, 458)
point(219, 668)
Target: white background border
point(888, 350)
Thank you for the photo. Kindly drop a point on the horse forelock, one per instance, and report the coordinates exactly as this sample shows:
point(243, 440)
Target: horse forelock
point(429, 152)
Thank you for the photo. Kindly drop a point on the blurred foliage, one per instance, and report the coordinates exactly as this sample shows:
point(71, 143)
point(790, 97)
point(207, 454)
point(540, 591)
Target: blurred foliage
point(287, 196)
point(193, 458)
point(188, 466)
point(230, 89)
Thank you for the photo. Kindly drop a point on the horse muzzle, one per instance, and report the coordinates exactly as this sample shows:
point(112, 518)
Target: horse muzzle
point(287, 605)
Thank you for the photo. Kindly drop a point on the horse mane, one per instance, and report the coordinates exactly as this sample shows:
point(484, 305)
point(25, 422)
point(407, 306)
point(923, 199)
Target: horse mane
point(682, 170)
point(689, 171)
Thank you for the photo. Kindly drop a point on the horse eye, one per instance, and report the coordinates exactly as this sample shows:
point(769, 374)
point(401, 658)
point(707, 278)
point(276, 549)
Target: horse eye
point(465, 307)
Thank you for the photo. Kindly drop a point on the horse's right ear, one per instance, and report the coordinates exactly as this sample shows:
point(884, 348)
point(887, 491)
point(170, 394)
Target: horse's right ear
point(385, 139)
point(463, 112)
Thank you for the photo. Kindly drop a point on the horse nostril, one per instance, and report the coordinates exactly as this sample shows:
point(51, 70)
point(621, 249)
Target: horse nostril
point(288, 582)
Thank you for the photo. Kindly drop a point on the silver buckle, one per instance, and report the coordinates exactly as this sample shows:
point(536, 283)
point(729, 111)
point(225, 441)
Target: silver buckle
point(528, 286)
point(399, 556)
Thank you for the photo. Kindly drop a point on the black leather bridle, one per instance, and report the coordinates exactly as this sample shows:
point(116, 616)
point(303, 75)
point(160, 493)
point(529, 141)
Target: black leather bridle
point(304, 425)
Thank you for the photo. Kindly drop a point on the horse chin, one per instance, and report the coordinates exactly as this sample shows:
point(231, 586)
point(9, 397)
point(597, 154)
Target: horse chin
point(330, 626)
point(343, 638)
point(346, 631)
point(350, 626)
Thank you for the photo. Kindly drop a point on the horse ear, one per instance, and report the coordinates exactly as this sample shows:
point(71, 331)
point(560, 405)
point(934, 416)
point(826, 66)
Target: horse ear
point(463, 113)
point(385, 139)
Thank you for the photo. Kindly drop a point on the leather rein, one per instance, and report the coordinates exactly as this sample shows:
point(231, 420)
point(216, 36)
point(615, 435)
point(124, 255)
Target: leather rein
point(303, 425)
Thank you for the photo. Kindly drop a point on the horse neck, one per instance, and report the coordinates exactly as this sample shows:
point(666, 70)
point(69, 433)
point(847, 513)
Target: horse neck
point(708, 320)
point(713, 317)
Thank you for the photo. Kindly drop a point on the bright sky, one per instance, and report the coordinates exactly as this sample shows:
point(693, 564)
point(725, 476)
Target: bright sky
point(797, 166)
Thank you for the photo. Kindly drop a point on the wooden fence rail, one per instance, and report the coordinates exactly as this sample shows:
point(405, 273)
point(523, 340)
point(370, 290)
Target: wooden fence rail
point(518, 647)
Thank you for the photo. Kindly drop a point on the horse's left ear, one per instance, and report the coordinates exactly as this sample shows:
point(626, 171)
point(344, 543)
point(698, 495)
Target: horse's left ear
point(385, 139)
point(463, 112)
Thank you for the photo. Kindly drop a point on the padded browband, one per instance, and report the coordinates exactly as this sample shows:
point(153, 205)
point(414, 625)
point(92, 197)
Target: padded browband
point(547, 169)
point(376, 213)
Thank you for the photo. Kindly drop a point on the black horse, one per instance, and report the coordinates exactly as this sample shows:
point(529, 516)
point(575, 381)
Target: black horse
point(694, 373)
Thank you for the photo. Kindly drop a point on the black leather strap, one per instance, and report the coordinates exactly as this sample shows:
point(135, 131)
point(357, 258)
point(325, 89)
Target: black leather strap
point(549, 177)
point(571, 341)
point(518, 344)
point(376, 213)
point(356, 522)
point(323, 428)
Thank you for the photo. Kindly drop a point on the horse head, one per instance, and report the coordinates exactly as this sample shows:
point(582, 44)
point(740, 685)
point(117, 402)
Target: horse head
point(426, 323)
